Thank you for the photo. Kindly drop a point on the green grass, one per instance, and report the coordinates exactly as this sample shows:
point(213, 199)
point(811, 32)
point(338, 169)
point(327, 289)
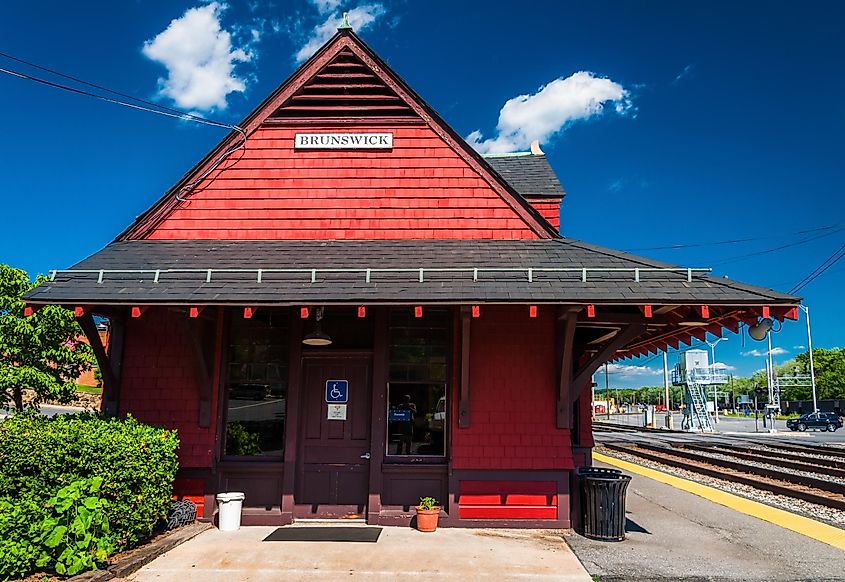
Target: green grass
point(89, 389)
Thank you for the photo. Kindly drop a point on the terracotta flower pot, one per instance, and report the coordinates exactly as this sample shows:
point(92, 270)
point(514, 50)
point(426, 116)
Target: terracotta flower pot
point(427, 519)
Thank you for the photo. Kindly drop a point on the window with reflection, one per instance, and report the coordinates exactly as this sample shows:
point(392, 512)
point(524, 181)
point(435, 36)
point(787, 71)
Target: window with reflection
point(257, 384)
point(416, 396)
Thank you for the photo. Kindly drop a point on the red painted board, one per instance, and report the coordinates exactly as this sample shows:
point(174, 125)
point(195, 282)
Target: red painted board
point(508, 487)
point(507, 512)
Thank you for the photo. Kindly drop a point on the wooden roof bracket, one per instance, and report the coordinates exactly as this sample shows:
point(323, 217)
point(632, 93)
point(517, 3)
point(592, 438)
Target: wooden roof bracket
point(584, 375)
point(108, 362)
point(564, 403)
point(202, 365)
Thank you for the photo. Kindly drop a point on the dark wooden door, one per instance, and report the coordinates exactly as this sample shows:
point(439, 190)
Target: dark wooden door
point(333, 455)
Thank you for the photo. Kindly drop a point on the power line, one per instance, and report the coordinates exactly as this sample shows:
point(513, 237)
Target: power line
point(777, 248)
point(147, 105)
point(837, 255)
point(112, 91)
point(735, 241)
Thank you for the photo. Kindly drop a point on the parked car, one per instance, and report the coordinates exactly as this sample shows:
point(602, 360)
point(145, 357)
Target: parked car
point(823, 421)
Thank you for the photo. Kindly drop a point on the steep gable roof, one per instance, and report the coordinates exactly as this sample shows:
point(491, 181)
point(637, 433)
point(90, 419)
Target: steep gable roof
point(530, 174)
point(390, 98)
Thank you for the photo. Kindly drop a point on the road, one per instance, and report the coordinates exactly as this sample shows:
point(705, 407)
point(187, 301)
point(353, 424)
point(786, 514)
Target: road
point(48, 410)
point(734, 425)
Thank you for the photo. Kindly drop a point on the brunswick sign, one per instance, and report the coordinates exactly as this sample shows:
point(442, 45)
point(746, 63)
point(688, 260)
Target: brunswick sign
point(337, 141)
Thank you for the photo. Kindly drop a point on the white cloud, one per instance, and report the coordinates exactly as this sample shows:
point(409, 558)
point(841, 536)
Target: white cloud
point(761, 353)
point(551, 110)
point(326, 6)
point(360, 18)
point(685, 72)
point(802, 348)
point(616, 185)
point(628, 370)
point(724, 366)
point(200, 59)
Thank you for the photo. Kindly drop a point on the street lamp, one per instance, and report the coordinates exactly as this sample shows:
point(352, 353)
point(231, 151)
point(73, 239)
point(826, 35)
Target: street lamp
point(713, 372)
point(806, 311)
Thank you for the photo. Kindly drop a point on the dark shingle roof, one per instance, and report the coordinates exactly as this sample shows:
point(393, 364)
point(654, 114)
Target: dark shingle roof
point(242, 288)
point(529, 174)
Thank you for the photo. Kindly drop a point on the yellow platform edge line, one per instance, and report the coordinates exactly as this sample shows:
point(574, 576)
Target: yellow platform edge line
point(803, 525)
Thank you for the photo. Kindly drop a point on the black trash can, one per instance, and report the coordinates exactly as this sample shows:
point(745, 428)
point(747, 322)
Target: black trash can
point(603, 503)
point(598, 471)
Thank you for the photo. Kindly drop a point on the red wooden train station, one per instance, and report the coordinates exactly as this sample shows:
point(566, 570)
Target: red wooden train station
point(344, 308)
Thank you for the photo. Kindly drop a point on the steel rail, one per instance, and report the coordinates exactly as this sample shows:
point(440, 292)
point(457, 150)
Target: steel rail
point(803, 465)
point(809, 448)
point(791, 490)
point(369, 271)
point(813, 482)
point(832, 463)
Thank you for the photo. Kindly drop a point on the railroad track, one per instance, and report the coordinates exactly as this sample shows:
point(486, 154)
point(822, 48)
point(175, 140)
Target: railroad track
point(615, 427)
point(782, 480)
point(832, 467)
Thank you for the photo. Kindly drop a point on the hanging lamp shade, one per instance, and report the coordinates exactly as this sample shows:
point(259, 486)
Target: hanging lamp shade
point(317, 337)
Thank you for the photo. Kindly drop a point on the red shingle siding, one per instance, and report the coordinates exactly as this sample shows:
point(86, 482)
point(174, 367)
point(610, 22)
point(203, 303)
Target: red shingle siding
point(513, 395)
point(419, 189)
point(159, 386)
point(548, 209)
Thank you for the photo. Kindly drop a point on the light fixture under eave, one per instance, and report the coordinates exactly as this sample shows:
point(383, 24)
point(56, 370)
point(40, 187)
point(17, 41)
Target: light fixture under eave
point(317, 337)
point(693, 323)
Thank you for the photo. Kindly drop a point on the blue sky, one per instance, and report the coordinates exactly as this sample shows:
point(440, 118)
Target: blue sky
point(668, 122)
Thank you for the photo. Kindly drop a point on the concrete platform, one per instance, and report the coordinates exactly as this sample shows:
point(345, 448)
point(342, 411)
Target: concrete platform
point(675, 535)
point(399, 553)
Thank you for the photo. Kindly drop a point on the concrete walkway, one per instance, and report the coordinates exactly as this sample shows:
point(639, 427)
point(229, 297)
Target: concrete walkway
point(399, 553)
point(675, 535)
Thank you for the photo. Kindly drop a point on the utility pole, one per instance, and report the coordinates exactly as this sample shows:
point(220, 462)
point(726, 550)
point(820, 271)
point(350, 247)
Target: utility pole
point(713, 373)
point(773, 398)
point(806, 311)
point(607, 391)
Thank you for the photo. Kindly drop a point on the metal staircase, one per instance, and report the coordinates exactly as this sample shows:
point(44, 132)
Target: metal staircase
point(696, 380)
point(699, 417)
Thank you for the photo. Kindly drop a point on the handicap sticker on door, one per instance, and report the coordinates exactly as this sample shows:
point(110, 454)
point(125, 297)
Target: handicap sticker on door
point(337, 391)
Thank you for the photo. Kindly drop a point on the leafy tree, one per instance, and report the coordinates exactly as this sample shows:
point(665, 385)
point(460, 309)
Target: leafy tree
point(830, 372)
point(42, 352)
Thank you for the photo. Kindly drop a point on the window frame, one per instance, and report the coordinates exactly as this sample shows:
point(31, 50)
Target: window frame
point(447, 382)
point(417, 459)
point(229, 316)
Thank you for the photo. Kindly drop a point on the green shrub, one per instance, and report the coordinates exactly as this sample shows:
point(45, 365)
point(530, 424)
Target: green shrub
point(75, 534)
point(241, 442)
point(108, 481)
point(20, 523)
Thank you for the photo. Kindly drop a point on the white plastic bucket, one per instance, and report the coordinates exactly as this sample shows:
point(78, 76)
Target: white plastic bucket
point(229, 511)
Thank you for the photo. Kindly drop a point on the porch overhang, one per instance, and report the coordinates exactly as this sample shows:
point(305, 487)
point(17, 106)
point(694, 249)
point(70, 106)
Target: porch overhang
point(609, 290)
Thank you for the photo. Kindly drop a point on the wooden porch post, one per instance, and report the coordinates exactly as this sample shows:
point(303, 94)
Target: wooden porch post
point(378, 422)
point(463, 401)
point(292, 417)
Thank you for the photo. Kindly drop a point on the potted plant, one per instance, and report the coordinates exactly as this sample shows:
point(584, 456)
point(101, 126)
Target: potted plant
point(428, 512)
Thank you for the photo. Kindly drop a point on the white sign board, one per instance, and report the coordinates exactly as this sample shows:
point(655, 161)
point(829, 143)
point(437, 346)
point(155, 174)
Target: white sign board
point(343, 141)
point(337, 412)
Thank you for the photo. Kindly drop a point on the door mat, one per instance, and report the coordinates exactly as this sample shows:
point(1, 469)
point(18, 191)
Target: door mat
point(325, 534)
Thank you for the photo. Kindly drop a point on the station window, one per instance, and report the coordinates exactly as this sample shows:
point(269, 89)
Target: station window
point(417, 402)
point(257, 384)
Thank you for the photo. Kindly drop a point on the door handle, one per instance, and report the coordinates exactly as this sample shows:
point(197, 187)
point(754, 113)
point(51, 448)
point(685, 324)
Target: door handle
point(365, 456)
